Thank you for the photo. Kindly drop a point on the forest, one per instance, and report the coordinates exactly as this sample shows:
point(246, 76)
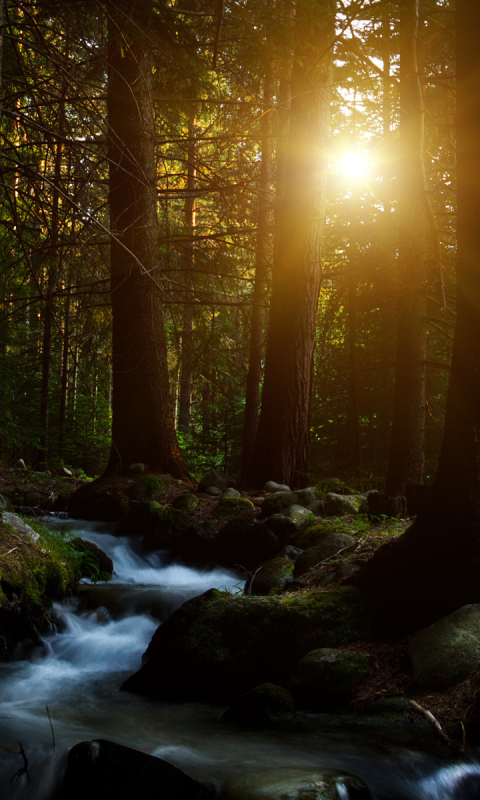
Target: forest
point(290, 303)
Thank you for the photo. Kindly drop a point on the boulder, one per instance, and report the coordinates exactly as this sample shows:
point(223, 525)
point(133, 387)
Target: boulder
point(311, 535)
point(328, 548)
point(305, 497)
point(218, 645)
point(448, 651)
point(231, 493)
point(19, 464)
point(271, 574)
point(337, 486)
point(212, 491)
point(195, 543)
point(185, 502)
point(148, 487)
point(245, 543)
point(105, 563)
point(278, 502)
point(271, 486)
point(339, 505)
point(218, 479)
point(290, 552)
point(323, 679)
point(298, 515)
point(295, 783)
point(263, 705)
point(143, 517)
point(103, 770)
point(137, 468)
point(18, 525)
point(232, 505)
point(317, 508)
point(64, 472)
point(283, 527)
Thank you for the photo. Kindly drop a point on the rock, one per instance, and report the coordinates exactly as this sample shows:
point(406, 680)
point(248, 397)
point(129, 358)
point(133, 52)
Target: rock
point(295, 783)
point(324, 678)
point(4, 504)
point(271, 486)
point(232, 505)
point(245, 543)
point(148, 487)
point(271, 574)
point(218, 479)
point(142, 518)
point(231, 493)
point(312, 535)
point(15, 522)
point(298, 515)
point(217, 646)
point(137, 468)
point(329, 547)
point(196, 542)
point(64, 472)
point(103, 770)
point(290, 552)
point(381, 505)
point(263, 705)
point(336, 486)
point(161, 537)
point(278, 502)
point(317, 508)
point(305, 497)
point(19, 464)
point(281, 526)
point(338, 505)
point(345, 570)
point(448, 651)
point(213, 491)
point(185, 502)
point(105, 563)
point(95, 501)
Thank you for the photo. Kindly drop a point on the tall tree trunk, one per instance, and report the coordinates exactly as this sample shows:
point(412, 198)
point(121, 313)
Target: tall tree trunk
point(434, 567)
point(407, 445)
point(143, 426)
point(186, 372)
point(282, 443)
point(262, 255)
point(353, 426)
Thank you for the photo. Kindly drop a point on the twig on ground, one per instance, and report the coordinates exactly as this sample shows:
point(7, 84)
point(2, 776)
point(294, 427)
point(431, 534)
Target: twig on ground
point(437, 727)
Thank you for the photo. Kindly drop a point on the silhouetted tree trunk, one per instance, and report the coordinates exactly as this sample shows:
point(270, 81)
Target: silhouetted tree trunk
point(262, 255)
point(434, 567)
point(143, 425)
point(407, 445)
point(282, 443)
point(186, 371)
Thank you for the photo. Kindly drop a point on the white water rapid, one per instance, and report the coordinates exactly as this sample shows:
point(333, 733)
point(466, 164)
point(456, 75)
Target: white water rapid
point(67, 691)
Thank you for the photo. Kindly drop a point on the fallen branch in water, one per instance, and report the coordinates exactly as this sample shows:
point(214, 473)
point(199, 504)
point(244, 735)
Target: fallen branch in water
point(51, 727)
point(23, 770)
point(437, 727)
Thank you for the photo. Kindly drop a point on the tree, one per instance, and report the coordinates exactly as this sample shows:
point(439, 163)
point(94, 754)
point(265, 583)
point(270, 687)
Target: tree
point(142, 426)
point(282, 443)
point(433, 567)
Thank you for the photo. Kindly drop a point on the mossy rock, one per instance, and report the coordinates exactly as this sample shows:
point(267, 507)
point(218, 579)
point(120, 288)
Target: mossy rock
point(311, 535)
point(335, 485)
point(145, 488)
point(218, 646)
point(327, 548)
point(185, 502)
point(295, 783)
point(277, 502)
point(270, 575)
point(232, 505)
point(141, 518)
point(32, 574)
point(323, 679)
point(263, 705)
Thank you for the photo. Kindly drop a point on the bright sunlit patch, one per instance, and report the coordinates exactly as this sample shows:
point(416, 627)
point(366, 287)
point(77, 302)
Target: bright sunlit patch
point(354, 165)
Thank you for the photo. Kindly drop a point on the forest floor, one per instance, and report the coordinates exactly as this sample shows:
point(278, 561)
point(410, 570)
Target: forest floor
point(390, 676)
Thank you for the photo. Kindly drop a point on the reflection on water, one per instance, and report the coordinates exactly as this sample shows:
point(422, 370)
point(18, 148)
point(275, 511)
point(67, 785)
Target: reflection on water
point(77, 672)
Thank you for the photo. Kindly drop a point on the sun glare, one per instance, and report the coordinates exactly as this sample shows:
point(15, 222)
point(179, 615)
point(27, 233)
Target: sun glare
point(354, 165)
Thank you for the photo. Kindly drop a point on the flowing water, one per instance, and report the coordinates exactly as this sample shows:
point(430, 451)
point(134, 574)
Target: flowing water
point(67, 691)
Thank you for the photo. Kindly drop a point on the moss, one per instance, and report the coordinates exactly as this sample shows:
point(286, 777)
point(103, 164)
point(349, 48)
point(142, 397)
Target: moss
point(336, 486)
point(312, 535)
point(185, 502)
point(145, 488)
point(31, 575)
point(230, 505)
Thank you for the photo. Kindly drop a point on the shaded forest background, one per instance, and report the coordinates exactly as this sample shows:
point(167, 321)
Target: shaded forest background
point(221, 101)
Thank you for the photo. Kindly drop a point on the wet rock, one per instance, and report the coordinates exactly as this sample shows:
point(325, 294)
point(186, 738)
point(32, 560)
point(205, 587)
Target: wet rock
point(103, 770)
point(217, 646)
point(218, 479)
point(295, 783)
point(271, 486)
point(323, 679)
point(328, 548)
point(448, 651)
point(263, 705)
point(271, 574)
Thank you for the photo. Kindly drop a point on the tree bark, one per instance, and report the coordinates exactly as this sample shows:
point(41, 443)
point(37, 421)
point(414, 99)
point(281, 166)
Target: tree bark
point(407, 444)
point(186, 372)
point(143, 425)
point(434, 567)
point(282, 443)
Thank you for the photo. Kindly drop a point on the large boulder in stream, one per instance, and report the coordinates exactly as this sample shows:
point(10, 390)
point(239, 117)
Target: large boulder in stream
point(295, 783)
point(218, 645)
point(103, 770)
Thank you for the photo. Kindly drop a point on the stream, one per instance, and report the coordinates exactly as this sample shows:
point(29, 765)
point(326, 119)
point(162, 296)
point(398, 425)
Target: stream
point(99, 641)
